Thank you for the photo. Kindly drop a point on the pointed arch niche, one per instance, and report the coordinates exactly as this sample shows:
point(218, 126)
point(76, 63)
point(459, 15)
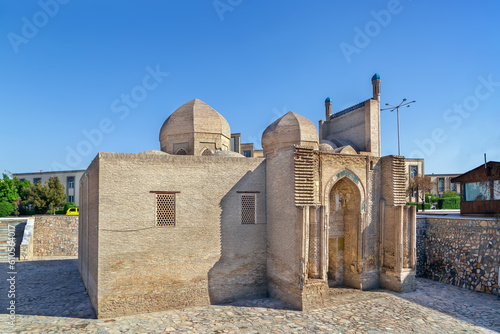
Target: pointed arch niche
point(344, 211)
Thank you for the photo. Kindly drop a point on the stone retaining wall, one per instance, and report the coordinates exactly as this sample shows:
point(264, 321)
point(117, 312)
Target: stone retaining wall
point(55, 236)
point(459, 251)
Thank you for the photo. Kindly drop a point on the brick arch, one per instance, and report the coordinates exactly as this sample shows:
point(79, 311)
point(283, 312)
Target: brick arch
point(337, 176)
point(206, 152)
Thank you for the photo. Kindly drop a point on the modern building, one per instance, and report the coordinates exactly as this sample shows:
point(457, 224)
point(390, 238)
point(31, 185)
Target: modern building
point(442, 183)
point(246, 149)
point(480, 190)
point(413, 167)
point(197, 223)
point(70, 179)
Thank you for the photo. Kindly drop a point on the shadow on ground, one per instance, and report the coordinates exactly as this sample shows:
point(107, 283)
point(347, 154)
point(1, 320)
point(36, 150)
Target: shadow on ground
point(45, 288)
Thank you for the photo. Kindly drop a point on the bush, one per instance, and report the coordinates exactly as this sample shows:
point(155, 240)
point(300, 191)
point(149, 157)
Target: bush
point(68, 205)
point(433, 199)
point(427, 206)
point(448, 203)
point(6, 208)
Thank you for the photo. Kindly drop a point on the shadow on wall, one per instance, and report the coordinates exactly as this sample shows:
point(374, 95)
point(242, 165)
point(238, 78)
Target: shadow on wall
point(241, 272)
point(45, 288)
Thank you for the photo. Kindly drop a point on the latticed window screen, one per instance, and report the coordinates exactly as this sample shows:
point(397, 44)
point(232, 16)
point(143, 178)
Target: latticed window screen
point(165, 210)
point(248, 209)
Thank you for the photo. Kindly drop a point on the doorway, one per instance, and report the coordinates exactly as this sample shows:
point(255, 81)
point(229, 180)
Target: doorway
point(344, 222)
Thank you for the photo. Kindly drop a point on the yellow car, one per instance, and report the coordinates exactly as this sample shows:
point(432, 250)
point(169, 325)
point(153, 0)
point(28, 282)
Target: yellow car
point(72, 212)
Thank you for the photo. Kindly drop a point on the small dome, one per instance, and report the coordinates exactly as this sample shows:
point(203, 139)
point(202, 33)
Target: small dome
point(290, 129)
point(328, 100)
point(195, 116)
point(326, 145)
point(376, 76)
point(345, 150)
point(194, 122)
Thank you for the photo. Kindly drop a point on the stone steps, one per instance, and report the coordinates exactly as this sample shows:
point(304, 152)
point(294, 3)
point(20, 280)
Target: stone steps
point(5, 227)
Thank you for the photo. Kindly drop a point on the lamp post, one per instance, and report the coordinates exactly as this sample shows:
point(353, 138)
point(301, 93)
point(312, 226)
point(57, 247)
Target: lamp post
point(403, 104)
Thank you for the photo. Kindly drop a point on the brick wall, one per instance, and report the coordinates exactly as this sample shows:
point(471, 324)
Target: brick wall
point(461, 251)
point(208, 257)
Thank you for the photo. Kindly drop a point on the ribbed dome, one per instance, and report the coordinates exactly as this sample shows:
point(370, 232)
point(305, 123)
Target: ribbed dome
point(194, 116)
point(290, 129)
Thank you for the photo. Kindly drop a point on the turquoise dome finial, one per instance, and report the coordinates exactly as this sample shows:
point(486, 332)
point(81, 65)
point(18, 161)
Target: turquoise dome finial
point(328, 100)
point(376, 76)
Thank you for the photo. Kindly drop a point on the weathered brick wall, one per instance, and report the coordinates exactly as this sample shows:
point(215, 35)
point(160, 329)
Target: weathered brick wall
point(55, 236)
point(462, 252)
point(209, 256)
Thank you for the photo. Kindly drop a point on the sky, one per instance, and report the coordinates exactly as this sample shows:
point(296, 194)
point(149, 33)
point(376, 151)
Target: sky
point(82, 77)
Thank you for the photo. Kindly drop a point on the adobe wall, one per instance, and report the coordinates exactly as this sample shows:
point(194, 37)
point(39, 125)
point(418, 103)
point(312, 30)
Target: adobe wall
point(55, 235)
point(284, 229)
point(88, 235)
point(350, 126)
point(208, 257)
point(460, 251)
point(359, 124)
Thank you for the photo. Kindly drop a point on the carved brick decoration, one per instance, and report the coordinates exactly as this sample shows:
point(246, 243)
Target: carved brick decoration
point(304, 176)
point(399, 180)
point(165, 210)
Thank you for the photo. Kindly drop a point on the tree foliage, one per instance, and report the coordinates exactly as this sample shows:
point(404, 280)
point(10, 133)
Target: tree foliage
point(420, 184)
point(47, 196)
point(13, 192)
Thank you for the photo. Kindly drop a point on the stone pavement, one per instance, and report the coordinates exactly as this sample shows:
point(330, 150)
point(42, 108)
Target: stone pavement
point(50, 298)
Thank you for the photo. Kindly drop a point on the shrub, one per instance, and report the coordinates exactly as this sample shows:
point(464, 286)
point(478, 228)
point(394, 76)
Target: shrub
point(448, 203)
point(68, 205)
point(427, 206)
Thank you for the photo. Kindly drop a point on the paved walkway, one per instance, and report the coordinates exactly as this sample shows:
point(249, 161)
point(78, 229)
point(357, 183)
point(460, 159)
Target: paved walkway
point(50, 298)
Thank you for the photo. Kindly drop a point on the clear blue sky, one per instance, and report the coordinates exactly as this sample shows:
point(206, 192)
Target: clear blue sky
point(67, 68)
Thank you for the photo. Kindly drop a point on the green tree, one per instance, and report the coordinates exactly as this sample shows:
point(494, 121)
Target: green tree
point(8, 196)
point(47, 196)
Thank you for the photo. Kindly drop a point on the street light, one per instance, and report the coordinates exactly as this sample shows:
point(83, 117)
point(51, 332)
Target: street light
point(392, 108)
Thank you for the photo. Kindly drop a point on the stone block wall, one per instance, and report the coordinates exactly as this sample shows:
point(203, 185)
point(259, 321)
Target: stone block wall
point(460, 251)
point(55, 236)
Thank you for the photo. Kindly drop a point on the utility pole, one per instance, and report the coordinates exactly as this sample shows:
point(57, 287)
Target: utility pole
point(403, 104)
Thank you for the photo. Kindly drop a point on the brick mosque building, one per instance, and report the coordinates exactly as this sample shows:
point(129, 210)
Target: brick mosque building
point(197, 224)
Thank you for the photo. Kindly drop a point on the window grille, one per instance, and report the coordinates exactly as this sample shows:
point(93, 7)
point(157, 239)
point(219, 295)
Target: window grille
point(248, 214)
point(165, 210)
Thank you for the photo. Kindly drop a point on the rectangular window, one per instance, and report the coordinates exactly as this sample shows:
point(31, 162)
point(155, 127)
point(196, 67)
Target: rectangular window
point(453, 187)
point(37, 179)
point(413, 171)
point(248, 209)
point(247, 153)
point(441, 184)
point(496, 189)
point(21, 180)
point(477, 191)
point(71, 182)
point(165, 209)
point(71, 198)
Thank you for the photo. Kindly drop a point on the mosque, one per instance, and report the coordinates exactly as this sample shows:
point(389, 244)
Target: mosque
point(195, 223)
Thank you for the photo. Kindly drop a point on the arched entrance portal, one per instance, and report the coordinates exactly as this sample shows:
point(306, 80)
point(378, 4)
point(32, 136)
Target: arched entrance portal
point(344, 222)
